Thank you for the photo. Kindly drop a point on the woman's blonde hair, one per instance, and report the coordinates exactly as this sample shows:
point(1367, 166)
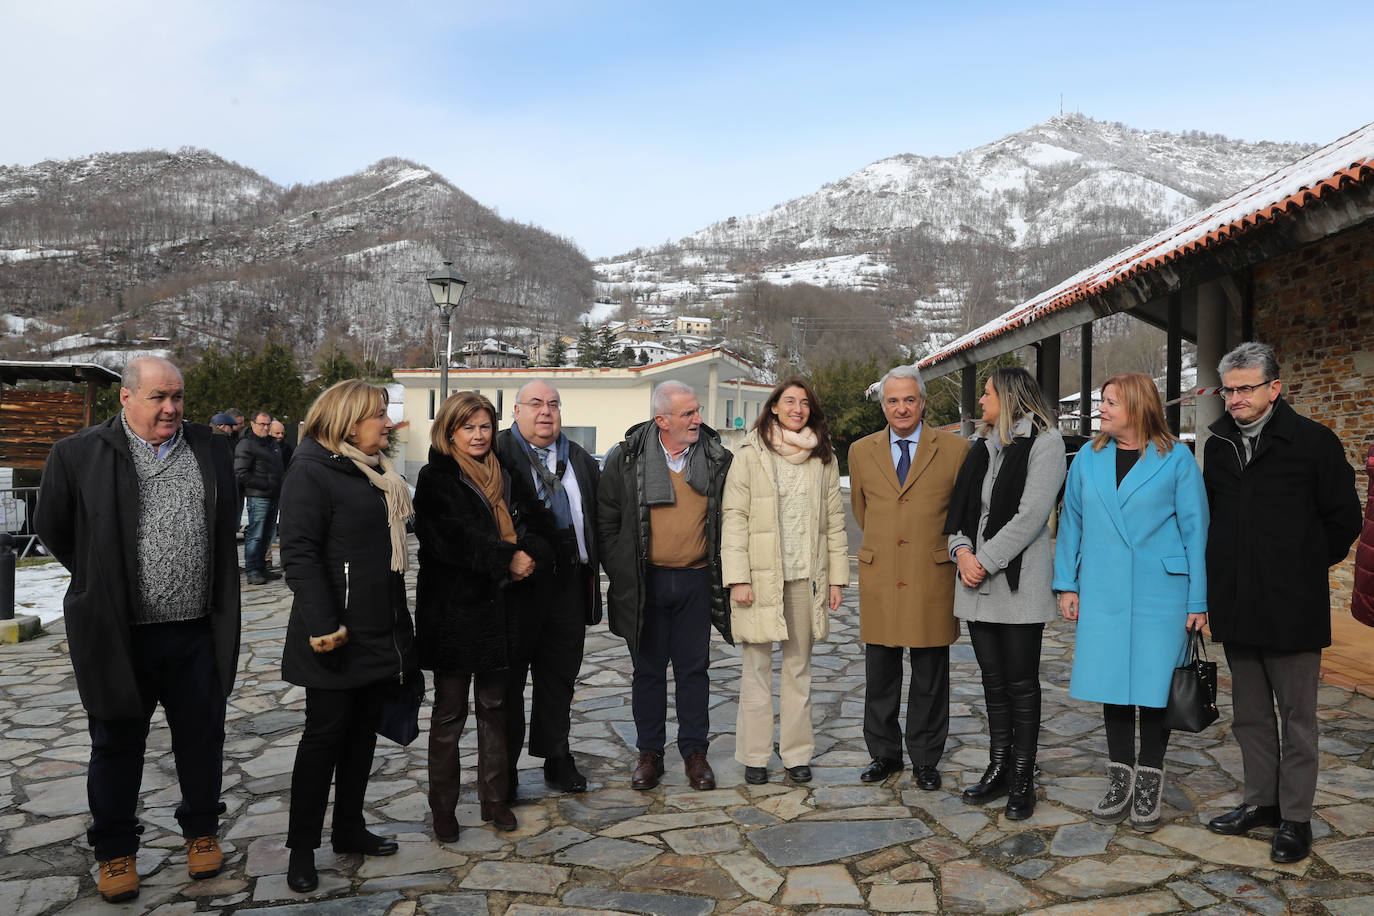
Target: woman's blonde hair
point(452, 414)
point(1144, 412)
point(1020, 397)
point(341, 407)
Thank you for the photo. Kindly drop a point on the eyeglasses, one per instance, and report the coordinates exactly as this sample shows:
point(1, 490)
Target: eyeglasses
point(1243, 390)
point(537, 404)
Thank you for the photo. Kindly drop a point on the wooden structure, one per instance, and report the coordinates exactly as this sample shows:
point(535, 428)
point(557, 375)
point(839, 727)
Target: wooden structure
point(32, 420)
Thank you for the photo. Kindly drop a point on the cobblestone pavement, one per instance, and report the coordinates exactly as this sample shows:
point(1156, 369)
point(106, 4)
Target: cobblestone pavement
point(834, 846)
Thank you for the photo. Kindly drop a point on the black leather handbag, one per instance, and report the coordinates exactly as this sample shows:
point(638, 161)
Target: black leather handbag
point(399, 717)
point(1193, 691)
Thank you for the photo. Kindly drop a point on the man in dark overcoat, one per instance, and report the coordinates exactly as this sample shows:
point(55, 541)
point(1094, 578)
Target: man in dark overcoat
point(555, 605)
point(1284, 510)
point(140, 510)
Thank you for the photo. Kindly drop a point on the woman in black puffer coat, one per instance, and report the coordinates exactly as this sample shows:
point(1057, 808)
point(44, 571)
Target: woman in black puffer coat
point(343, 550)
point(480, 531)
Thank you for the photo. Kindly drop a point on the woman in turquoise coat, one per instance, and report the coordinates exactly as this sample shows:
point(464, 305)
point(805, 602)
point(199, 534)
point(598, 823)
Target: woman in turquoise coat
point(1130, 566)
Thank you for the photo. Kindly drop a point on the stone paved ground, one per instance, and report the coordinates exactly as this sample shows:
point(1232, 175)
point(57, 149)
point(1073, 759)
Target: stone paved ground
point(835, 846)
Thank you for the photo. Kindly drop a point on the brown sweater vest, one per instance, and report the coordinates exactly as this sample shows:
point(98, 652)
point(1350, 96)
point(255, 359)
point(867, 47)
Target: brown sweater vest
point(677, 533)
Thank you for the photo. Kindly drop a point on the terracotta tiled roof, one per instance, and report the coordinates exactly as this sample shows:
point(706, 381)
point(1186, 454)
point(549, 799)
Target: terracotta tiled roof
point(1333, 168)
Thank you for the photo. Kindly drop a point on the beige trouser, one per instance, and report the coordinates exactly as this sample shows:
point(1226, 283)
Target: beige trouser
point(754, 727)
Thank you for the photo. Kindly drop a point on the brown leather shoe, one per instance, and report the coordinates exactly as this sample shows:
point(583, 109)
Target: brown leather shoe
point(699, 773)
point(118, 879)
point(204, 858)
point(647, 770)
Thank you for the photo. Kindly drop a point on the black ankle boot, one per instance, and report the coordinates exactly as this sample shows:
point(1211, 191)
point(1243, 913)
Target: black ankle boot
point(300, 871)
point(1021, 798)
point(995, 778)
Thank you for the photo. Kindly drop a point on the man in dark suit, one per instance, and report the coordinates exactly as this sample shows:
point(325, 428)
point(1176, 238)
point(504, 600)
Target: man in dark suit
point(556, 605)
point(140, 509)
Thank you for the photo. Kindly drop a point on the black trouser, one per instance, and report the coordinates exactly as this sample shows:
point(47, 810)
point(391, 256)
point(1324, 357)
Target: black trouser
point(340, 736)
point(446, 723)
point(677, 629)
point(553, 629)
point(1154, 737)
point(1009, 657)
point(927, 703)
point(174, 664)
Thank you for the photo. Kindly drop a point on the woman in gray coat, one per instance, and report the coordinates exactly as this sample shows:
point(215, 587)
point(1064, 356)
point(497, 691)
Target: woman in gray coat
point(999, 536)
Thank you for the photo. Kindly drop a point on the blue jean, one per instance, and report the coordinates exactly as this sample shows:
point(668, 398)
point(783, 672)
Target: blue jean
point(262, 527)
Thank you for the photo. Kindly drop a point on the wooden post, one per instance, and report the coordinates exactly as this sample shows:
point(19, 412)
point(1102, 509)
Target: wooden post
point(1085, 380)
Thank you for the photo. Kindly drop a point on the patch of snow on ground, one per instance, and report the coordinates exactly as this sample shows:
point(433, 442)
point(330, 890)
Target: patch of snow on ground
point(10, 255)
point(1043, 154)
point(600, 313)
point(38, 590)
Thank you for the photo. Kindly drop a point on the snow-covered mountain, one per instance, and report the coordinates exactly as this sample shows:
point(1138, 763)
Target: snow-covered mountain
point(110, 249)
point(945, 241)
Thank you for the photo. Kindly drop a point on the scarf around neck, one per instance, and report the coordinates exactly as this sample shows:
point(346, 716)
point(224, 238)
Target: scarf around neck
point(794, 448)
point(486, 474)
point(393, 487)
point(966, 502)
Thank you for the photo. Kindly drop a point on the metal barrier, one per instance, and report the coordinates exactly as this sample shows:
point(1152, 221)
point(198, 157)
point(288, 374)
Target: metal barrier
point(16, 518)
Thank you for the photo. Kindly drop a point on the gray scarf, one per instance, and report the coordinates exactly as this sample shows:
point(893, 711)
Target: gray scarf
point(658, 483)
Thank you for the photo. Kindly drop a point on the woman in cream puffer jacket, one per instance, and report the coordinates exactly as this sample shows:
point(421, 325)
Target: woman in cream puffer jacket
point(784, 556)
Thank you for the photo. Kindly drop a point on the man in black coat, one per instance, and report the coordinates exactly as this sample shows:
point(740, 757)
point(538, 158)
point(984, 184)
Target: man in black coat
point(1284, 510)
point(556, 605)
point(258, 467)
point(140, 509)
point(658, 521)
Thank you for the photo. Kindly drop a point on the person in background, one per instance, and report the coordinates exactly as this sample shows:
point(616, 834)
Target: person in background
point(1000, 538)
point(349, 637)
point(785, 556)
point(258, 468)
point(481, 532)
point(1284, 510)
point(278, 431)
point(1130, 566)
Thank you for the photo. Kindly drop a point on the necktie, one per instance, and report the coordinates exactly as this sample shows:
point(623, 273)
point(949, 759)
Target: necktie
point(904, 462)
point(544, 495)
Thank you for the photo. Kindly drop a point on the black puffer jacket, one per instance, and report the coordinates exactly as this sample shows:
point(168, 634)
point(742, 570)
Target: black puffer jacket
point(258, 466)
point(336, 554)
point(622, 521)
point(463, 613)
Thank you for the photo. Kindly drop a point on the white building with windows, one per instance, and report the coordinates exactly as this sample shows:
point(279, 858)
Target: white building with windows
point(598, 404)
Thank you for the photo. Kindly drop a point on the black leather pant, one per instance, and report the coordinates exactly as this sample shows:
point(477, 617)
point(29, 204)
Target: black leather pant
point(447, 719)
point(1009, 656)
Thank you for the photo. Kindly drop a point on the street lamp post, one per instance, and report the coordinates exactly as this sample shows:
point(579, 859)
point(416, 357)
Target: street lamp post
point(447, 288)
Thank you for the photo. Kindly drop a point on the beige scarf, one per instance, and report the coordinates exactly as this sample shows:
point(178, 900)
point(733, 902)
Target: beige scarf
point(393, 486)
point(794, 448)
point(487, 475)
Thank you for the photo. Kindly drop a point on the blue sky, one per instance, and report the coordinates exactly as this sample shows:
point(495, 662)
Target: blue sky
point(619, 124)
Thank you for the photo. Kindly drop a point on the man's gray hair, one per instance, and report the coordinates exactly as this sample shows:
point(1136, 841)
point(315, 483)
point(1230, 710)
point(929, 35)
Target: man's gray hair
point(520, 395)
point(902, 372)
point(662, 400)
point(133, 370)
point(1251, 355)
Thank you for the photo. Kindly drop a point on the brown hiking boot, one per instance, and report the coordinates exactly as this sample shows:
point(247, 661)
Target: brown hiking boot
point(118, 880)
point(204, 858)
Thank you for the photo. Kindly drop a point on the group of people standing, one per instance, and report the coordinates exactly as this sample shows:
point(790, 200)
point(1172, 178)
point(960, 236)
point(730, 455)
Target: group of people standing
point(514, 526)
